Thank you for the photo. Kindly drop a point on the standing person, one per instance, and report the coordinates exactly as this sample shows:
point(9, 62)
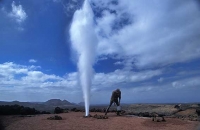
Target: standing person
point(114, 99)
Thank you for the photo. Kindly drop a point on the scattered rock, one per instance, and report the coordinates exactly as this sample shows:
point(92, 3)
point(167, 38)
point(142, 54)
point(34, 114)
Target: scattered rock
point(56, 117)
point(100, 116)
point(157, 117)
point(144, 114)
point(177, 106)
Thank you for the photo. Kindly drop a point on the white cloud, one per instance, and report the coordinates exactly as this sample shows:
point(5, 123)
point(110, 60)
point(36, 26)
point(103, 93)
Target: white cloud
point(70, 6)
point(32, 61)
point(109, 80)
point(22, 77)
point(159, 33)
point(34, 85)
point(28, 79)
point(102, 58)
point(154, 93)
point(105, 23)
point(118, 63)
point(189, 82)
point(175, 85)
point(18, 13)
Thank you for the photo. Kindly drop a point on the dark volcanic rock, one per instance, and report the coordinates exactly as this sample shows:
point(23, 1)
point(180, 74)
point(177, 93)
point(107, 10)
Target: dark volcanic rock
point(73, 109)
point(93, 110)
point(157, 117)
point(144, 114)
point(56, 117)
point(198, 112)
point(44, 112)
point(76, 110)
point(17, 110)
point(27, 111)
point(100, 116)
point(97, 110)
point(1, 125)
point(177, 106)
point(58, 110)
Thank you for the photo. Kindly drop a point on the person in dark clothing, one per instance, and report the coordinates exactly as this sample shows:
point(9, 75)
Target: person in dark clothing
point(114, 99)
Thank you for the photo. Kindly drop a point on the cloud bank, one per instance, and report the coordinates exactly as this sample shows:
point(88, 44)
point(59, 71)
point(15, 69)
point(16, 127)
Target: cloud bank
point(29, 83)
point(150, 35)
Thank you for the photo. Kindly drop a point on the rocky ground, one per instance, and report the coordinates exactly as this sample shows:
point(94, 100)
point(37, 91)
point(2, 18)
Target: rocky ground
point(184, 111)
point(134, 117)
point(76, 121)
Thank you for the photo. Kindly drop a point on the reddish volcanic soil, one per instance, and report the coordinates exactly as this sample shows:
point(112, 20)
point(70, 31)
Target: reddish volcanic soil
point(75, 121)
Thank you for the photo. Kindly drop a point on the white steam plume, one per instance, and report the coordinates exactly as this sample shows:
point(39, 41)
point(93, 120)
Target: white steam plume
point(84, 42)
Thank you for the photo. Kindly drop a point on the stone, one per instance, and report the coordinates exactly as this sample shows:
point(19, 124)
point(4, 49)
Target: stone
point(56, 117)
point(100, 116)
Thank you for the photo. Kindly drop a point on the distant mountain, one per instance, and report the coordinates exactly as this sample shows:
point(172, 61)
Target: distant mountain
point(43, 106)
point(81, 103)
point(57, 102)
point(16, 102)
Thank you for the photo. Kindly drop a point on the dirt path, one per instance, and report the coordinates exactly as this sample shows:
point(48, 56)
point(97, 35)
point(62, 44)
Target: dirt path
point(75, 121)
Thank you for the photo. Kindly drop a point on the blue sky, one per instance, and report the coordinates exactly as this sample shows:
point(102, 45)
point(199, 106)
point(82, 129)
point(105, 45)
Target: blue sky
point(148, 49)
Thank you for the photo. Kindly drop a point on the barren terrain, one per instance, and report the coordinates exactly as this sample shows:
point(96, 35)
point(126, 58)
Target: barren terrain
point(76, 121)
